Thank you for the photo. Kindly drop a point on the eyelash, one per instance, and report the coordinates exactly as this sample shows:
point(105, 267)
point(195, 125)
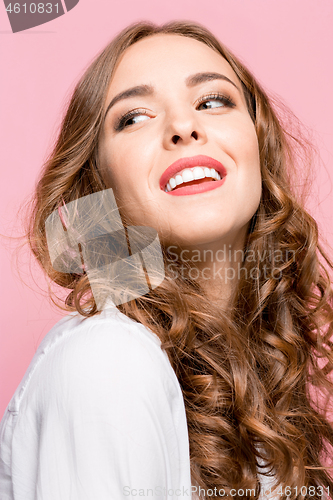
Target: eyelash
point(120, 125)
point(226, 99)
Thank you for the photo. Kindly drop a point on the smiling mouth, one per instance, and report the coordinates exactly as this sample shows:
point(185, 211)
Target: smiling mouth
point(189, 177)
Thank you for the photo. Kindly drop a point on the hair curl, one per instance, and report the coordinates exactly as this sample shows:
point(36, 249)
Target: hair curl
point(246, 374)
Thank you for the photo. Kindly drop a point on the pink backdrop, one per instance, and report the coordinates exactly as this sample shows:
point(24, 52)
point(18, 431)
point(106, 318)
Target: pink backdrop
point(286, 43)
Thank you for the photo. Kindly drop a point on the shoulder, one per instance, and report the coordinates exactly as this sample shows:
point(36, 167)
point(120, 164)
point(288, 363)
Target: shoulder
point(100, 393)
point(108, 355)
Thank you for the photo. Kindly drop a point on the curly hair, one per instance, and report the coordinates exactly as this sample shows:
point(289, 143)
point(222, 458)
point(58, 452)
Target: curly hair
point(247, 373)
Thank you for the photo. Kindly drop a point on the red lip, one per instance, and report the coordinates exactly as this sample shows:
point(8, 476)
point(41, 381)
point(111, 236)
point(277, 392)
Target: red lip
point(194, 161)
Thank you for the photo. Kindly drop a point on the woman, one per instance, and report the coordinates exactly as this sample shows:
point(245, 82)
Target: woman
point(202, 384)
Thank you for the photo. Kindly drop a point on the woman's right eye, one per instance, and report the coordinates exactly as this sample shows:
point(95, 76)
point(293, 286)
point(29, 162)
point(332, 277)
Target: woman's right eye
point(123, 121)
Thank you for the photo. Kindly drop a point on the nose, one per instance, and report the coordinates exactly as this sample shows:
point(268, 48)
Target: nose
point(183, 127)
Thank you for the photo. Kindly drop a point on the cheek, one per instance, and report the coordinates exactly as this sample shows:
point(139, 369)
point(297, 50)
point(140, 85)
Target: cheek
point(250, 149)
point(132, 161)
point(127, 173)
point(115, 164)
point(238, 139)
point(241, 144)
point(248, 161)
point(246, 144)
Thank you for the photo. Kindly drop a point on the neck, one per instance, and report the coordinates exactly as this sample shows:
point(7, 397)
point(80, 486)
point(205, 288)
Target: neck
point(214, 265)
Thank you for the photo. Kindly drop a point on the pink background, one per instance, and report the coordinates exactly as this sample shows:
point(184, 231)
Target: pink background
point(286, 43)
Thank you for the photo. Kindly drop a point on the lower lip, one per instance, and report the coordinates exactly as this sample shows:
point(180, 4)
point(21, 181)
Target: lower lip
point(197, 188)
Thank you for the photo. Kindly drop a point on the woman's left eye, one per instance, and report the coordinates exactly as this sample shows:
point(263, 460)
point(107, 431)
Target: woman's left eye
point(217, 98)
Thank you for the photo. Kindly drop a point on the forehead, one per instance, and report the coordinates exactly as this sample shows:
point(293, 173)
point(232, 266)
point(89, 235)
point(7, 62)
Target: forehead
point(165, 58)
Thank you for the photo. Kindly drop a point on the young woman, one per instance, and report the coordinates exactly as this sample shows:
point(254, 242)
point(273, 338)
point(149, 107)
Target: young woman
point(209, 383)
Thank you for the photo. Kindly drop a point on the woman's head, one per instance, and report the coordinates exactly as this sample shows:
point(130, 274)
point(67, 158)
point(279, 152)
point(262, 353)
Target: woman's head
point(96, 149)
point(192, 104)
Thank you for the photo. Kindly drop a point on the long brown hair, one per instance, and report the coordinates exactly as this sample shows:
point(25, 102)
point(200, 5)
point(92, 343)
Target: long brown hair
point(245, 373)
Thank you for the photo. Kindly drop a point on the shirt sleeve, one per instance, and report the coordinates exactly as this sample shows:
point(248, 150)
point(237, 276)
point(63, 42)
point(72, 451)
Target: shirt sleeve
point(106, 412)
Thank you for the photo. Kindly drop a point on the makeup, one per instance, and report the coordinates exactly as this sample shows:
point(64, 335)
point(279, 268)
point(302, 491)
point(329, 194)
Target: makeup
point(211, 175)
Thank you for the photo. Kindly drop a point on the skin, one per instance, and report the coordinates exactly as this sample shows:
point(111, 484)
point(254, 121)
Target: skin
point(177, 126)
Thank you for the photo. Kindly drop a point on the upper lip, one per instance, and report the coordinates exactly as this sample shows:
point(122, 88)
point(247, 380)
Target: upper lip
point(194, 161)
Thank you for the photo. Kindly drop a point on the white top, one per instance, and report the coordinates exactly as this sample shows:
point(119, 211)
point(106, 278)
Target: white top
point(99, 414)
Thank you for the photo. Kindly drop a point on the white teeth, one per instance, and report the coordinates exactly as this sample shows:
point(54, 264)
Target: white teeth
point(179, 179)
point(187, 175)
point(214, 173)
point(190, 175)
point(198, 173)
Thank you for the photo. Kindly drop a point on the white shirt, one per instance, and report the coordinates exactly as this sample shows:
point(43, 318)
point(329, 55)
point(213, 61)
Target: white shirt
point(99, 415)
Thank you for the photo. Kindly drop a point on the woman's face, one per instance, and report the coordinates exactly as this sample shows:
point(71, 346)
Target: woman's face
point(181, 110)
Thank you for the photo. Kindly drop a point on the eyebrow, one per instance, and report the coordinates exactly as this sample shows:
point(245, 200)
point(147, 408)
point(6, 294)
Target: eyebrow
point(145, 90)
